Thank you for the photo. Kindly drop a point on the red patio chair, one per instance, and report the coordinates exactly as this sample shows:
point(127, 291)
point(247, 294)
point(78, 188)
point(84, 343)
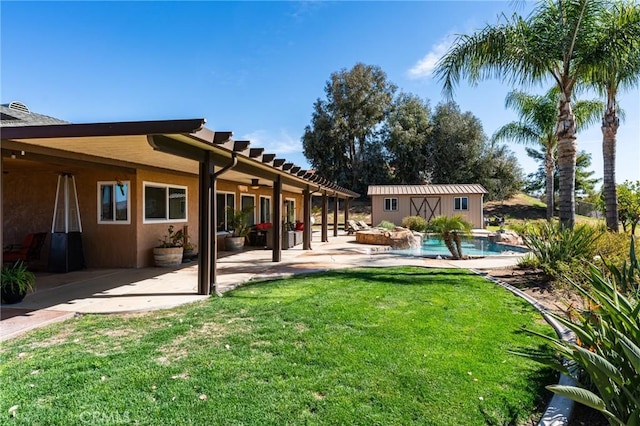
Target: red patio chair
point(29, 250)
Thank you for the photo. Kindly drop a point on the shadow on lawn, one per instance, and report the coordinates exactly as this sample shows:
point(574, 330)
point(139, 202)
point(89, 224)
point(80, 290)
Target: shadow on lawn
point(384, 275)
point(535, 385)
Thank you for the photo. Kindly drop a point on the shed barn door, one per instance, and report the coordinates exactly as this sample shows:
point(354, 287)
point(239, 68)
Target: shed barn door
point(427, 207)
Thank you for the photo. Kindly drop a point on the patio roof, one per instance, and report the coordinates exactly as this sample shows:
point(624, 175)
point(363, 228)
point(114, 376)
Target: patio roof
point(433, 189)
point(177, 145)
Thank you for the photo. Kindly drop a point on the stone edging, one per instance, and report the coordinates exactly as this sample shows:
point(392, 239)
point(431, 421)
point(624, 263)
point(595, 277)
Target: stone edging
point(559, 409)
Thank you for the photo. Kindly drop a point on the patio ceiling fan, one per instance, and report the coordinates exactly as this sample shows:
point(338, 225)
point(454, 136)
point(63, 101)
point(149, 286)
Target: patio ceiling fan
point(255, 184)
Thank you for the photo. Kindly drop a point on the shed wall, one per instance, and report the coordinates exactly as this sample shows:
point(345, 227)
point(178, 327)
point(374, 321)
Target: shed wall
point(474, 214)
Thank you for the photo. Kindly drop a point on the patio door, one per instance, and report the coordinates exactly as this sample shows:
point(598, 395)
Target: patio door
point(426, 207)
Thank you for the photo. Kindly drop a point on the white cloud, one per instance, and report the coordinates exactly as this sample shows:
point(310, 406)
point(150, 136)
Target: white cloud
point(280, 143)
point(425, 66)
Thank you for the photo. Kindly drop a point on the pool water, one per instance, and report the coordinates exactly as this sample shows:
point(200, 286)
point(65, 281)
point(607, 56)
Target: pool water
point(476, 246)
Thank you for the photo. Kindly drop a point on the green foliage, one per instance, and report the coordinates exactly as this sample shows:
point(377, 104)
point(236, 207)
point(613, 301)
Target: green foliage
point(239, 220)
point(344, 127)
point(385, 224)
point(554, 245)
point(406, 135)
point(584, 183)
point(538, 115)
point(629, 204)
point(171, 238)
point(375, 346)
point(451, 230)
point(16, 278)
point(415, 223)
point(606, 351)
point(381, 140)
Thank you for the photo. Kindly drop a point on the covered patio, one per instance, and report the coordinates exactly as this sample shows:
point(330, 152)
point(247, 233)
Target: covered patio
point(201, 159)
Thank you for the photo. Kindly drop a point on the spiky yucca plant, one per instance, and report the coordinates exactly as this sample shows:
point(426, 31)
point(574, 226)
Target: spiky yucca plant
point(605, 354)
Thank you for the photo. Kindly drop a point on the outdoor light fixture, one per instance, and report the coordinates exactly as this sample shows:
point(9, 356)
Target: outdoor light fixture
point(255, 184)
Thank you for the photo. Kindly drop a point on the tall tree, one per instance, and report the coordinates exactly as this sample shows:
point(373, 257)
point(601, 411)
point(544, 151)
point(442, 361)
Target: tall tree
point(499, 172)
point(536, 126)
point(585, 183)
point(455, 146)
point(560, 40)
point(458, 152)
point(620, 69)
point(357, 102)
point(405, 136)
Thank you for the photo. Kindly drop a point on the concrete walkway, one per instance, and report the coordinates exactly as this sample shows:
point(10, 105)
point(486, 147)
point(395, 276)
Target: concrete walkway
point(61, 296)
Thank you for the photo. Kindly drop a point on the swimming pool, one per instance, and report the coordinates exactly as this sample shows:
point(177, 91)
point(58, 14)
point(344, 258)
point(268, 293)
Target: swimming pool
point(475, 246)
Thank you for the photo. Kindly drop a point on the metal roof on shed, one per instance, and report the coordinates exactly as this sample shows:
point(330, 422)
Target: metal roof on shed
point(426, 189)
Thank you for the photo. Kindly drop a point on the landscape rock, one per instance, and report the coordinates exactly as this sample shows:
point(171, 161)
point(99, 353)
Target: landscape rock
point(506, 237)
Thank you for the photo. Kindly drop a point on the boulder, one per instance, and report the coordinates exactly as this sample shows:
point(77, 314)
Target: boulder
point(399, 238)
point(404, 239)
point(506, 237)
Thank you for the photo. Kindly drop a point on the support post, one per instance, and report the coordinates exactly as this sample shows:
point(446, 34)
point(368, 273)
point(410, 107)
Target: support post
point(336, 203)
point(277, 220)
point(325, 218)
point(306, 211)
point(346, 214)
point(204, 234)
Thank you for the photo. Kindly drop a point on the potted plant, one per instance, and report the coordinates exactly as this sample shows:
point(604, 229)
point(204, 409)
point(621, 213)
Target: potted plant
point(189, 252)
point(239, 223)
point(169, 252)
point(15, 282)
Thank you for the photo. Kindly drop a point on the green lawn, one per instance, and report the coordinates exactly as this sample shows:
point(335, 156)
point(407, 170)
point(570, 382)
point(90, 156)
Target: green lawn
point(394, 346)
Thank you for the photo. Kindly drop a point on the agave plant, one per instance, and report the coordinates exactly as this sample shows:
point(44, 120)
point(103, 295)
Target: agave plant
point(450, 230)
point(605, 354)
point(552, 244)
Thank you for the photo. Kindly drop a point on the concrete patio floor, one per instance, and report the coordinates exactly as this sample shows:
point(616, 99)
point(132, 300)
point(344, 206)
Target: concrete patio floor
point(61, 296)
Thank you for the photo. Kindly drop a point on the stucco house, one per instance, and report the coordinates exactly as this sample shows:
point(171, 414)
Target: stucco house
point(395, 202)
point(130, 180)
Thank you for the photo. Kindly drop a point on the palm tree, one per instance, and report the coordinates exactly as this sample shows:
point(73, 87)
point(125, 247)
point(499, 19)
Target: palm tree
point(621, 69)
point(560, 41)
point(450, 229)
point(538, 115)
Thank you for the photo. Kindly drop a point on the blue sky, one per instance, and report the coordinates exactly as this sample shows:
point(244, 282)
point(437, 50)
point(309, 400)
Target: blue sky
point(254, 68)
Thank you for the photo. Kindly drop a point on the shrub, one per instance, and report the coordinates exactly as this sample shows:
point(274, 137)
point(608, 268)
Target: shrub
point(556, 247)
point(386, 225)
point(605, 354)
point(415, 223)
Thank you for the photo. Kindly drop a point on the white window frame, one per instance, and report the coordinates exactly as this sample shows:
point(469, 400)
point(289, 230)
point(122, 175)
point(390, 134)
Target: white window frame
point(293, 202)
point(391, 208)
point(114, 184)
point(167, 186)
point(260, 214)
point(235, 197)
point(455, 201)
point(254, 205)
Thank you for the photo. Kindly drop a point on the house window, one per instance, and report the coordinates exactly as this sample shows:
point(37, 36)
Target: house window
point(249, 202)
point(113, 202)
point(224, 201)
point(164, 203)
point(461, 203)
point(390, 204)
point(265, 209)
point(290, 210)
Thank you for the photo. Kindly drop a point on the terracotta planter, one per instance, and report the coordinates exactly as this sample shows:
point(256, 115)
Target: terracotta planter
point(167, 256)
point(234, 243)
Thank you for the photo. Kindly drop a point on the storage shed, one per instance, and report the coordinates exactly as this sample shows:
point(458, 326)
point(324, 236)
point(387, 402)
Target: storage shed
point(395, 202)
